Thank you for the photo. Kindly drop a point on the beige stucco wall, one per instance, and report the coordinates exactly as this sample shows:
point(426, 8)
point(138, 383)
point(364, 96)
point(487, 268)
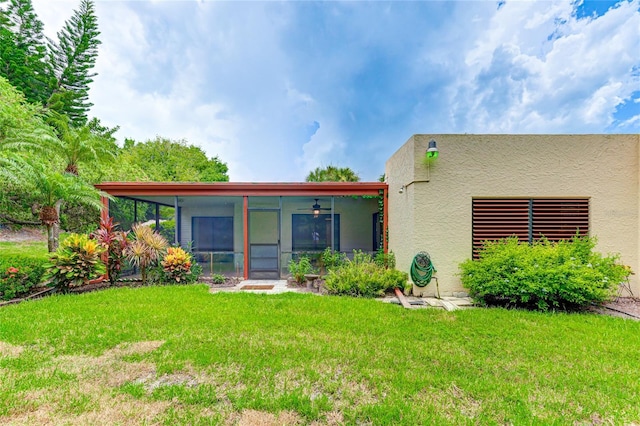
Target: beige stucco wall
point(433, 213)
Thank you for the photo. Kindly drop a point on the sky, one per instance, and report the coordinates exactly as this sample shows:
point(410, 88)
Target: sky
point(277, 88)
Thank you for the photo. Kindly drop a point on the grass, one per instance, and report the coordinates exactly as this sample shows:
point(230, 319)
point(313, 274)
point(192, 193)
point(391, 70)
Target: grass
point(29, 249)
point(26, 248)
point(179, 355)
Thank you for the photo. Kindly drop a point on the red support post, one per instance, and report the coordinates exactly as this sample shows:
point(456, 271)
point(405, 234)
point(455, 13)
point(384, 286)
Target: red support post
point(245, 217)
point(104, 213)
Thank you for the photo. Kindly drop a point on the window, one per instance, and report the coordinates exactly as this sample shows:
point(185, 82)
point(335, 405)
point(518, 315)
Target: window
point(212, 233)
point(528, 219)
point(309, 232)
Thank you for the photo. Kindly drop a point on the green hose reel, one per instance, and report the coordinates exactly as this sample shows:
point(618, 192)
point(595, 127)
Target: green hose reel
point(422, 270)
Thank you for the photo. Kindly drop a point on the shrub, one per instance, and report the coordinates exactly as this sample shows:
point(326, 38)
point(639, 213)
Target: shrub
point(115, 243)
point(177, 265)
point(298, 269)
point(19, 273)
point(218, 279)
point(385, 260)
point(146, 249)
point(76, 261)
point(544, 275)
point(332, 259)
point(363, 277)
point(14, 282)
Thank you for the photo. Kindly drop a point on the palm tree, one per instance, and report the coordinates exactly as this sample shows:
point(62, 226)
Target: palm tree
point(21, 124)
point(333, 174)
point(85, 144)
point(53, 188)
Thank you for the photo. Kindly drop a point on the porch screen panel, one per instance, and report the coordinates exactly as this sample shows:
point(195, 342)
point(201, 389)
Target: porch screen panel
point(494, 219)
point(560, 219)
point(212, 233)
point(309, 233)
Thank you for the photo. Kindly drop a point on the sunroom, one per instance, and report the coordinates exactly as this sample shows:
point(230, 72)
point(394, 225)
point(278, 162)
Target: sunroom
point(252, 230)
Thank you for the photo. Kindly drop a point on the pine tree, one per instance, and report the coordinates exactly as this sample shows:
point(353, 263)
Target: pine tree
point(23, 51)
point(72, 59)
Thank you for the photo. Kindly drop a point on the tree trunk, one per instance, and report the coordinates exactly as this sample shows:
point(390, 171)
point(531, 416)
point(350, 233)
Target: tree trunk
point(51, 241)
point(56, 228)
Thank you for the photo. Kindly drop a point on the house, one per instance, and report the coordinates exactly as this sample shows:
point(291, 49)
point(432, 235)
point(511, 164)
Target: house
point(484, 187)
point(478, 187)
point(254, 229)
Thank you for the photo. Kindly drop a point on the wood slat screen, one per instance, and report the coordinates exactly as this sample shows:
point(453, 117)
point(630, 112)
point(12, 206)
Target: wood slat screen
point(527, 219)
point(499, 218)
point(559, 219)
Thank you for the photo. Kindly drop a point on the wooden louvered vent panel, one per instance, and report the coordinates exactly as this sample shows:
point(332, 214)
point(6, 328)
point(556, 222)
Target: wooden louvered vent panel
point(528, 219)
point(494, 219)
point(559, 219)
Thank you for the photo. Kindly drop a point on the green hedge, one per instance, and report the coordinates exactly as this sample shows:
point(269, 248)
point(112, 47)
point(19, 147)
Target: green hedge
point(20, 272)
point(544, 275)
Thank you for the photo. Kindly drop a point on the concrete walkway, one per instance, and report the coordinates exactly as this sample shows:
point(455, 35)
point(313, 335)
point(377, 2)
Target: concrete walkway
point(447, 303)
point(280, 286)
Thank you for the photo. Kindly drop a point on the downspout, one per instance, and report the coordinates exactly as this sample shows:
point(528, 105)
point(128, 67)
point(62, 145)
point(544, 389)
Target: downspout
point(385, 219)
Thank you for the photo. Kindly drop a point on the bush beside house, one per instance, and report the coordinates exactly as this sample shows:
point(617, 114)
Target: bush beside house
point(544, 275)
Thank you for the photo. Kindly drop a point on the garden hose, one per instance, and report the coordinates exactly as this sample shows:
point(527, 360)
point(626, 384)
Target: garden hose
point(422, 270)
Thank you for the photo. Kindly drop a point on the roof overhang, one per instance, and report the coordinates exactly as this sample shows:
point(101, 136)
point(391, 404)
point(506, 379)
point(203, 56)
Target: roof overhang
point(241, 188)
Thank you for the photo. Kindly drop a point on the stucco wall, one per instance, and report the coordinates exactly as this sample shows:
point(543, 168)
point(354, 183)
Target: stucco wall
point(400, 171)
point(435, 216)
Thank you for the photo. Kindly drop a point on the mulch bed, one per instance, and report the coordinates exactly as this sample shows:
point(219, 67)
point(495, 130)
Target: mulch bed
point(623, 307)
point(38, 292)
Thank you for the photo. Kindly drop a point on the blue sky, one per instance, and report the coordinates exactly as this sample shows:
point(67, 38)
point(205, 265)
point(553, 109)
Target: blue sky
point(276, 89)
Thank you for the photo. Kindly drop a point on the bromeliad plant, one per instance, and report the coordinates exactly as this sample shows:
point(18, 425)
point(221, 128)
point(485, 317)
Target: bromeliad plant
point(76, 262)
point(115, 243)
point(146, 249)
point(177, 265)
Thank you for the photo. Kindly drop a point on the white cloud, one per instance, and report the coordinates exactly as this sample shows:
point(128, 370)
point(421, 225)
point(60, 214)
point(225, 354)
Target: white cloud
point(276, 89)
point(575, 85)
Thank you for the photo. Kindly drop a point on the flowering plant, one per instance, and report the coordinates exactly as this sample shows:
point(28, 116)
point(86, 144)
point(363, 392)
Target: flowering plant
point(13, 283)
point(176, 264)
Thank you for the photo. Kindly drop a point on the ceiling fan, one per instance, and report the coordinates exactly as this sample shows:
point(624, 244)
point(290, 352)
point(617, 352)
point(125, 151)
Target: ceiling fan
point(316, 208)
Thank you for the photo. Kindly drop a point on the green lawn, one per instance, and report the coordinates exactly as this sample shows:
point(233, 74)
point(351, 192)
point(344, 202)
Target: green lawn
point(179, 355)
point(35, 248)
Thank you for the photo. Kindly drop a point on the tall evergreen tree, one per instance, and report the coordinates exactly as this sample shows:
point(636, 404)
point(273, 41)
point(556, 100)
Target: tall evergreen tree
point(23, 51)
point(72, 58)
